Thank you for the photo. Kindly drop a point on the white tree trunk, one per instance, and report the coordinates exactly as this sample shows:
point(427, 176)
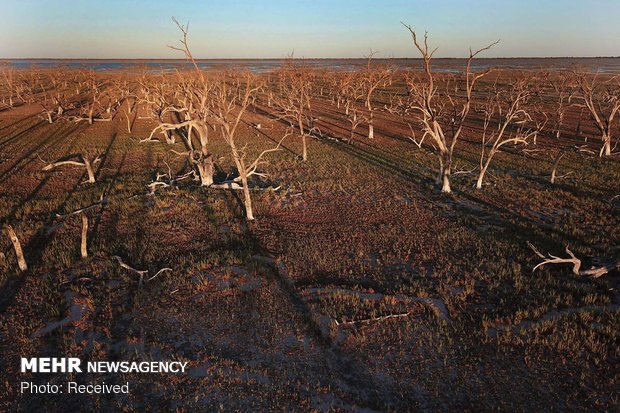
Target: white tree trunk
point(21, 261)
point(83, 249)
point(206, 170)
point(606, 149)
point(248, 200)
point(480, 178)
point(304, 155)
point(89, 170)
point(483, 170)
point(445, 186)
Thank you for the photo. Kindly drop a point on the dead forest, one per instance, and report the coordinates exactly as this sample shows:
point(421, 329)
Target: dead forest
point(389, 235)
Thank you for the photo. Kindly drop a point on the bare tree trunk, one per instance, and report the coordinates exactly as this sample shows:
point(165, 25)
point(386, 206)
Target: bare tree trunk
point(445, 188)
point(555, 167)
point(247, 198)
point(606, 149)
point(128, 121)
point(304, 155)
point(83, 249)
point(440, 174)
point(371, 130)
point(483, 170)
point(21, 261)
point(447, 163)
point(170, 139)
point(89, 170)
point(480, 178)
point(206, 170)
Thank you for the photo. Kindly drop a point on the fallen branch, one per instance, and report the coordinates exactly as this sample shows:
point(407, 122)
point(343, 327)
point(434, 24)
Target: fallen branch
point(141, 273)
point(594, 272)
point(83, 161)
point(372, 319)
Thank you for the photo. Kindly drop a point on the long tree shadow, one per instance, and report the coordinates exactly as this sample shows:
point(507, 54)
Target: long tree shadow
point(522, 229)
point(519, 226)
point(107, 193)
point(105, 155)
point(20, 120)
point(49, 142)
point(22, 132)
point(353, 373)
point(375, 158)
point(33, 252)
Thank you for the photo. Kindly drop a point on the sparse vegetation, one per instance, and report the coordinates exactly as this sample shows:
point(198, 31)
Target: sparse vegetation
point(336, 273)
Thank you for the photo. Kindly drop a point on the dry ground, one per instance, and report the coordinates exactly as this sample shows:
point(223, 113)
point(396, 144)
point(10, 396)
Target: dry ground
point(285, 313)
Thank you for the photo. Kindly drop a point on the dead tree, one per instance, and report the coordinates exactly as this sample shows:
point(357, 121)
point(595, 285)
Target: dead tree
point(504, 109)
point(191, 105)
point(231, 101)
point(373, 78)
point(556, 163)
point(129, 121)
point(83, 213)
point(351, 92)
point(92, 103)
point(443, 128)
point(84, 237)
point(9, 86)
point(200, 158)
point(222, 100)
point(602, 99)
point(81, 161)
point(594, 272)
point(563, 90)
point(293, 101)
point(354, 119)
point(17, 246)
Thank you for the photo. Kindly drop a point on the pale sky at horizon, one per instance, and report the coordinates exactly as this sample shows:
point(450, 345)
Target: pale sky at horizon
point(319, 28)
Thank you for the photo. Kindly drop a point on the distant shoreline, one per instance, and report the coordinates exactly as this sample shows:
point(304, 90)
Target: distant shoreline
point(453, 65)
point(86, 59)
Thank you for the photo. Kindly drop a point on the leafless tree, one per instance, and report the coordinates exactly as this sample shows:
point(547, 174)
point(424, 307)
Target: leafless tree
point(232, 99)
point(371, 79)
point(191, 104)
point(602, 99)
point(562, 86)
point(354, 119)
point(222, 100)
point(293, 100)
point(443, 128)
point(503, 110)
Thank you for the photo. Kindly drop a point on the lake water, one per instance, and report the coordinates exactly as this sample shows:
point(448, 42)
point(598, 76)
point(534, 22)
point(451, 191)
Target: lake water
point(603, 65)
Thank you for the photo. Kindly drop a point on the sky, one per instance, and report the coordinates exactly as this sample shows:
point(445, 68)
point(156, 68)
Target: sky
point(309, 28)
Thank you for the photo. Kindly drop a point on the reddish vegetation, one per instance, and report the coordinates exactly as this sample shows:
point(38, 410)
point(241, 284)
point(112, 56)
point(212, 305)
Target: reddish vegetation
point(358, 285)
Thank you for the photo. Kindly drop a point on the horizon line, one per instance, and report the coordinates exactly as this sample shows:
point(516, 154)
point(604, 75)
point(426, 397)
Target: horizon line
point(296, 58)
